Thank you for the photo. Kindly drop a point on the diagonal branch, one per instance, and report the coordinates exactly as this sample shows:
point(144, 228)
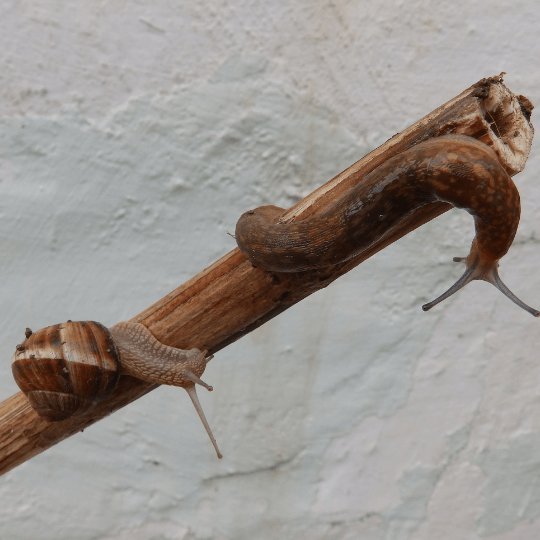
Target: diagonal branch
point(231, 298)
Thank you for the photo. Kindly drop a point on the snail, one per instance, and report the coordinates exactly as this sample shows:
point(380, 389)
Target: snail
point(66, 369)
point(452, 168)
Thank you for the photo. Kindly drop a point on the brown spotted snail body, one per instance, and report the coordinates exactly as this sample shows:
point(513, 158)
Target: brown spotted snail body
point(66, 369)
point(452, 168)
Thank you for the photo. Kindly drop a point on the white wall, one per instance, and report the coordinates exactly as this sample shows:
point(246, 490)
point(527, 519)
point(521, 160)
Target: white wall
point(133, 134)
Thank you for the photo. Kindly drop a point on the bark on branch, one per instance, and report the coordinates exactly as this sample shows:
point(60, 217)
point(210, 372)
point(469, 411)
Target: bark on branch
point(231, 298)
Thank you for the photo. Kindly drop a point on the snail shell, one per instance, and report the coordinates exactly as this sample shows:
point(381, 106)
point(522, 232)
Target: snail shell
point(65, 369)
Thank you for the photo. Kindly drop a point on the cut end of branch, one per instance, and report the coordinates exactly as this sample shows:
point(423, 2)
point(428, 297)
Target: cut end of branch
point(506, 121)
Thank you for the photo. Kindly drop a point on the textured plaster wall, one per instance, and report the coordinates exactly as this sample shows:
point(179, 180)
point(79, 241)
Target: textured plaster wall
point(132, 136)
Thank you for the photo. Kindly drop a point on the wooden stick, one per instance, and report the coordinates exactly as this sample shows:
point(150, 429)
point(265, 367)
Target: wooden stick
point(231, 298)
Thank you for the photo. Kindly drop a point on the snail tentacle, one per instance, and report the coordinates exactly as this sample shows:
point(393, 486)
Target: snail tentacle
point(485, 272)
point(190, 389)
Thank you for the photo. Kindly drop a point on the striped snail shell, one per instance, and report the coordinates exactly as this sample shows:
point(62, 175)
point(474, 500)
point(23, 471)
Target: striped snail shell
point(65, 369)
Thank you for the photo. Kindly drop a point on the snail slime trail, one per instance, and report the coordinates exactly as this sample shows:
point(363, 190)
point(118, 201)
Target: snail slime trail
point(453, 168)
point(66, 369)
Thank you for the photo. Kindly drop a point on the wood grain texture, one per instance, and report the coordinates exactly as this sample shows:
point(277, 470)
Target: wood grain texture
point(231, 298)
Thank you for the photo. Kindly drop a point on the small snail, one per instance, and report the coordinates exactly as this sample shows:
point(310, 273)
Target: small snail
point(66, 369)
point(453, 168)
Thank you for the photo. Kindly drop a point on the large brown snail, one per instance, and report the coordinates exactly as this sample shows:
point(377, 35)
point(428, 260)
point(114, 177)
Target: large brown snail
point(66, 369)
